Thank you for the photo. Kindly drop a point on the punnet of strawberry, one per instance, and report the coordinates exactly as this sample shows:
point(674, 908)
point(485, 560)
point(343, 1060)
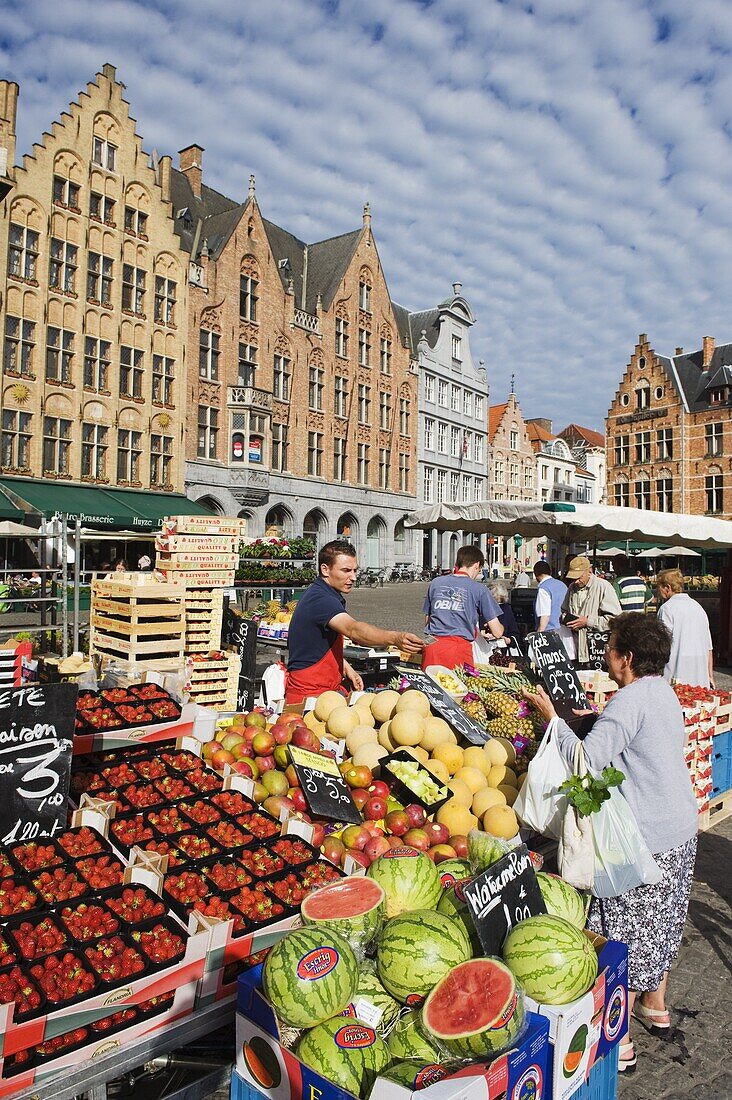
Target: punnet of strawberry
point(39, 937)
point(63, 977)
point(135, 904)
point(88, 920)
point(114, 960)
point(81, 842)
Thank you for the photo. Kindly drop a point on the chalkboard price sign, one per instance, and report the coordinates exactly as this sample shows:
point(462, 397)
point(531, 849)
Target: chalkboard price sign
point(36, 743)
point(242, 634)
point(549, 658)
point(596, 643)
point(507, 893)
point(444, 705)
point(324, 787)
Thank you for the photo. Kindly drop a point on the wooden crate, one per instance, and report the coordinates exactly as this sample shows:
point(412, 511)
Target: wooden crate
point(724, 716)
point(720, 808)
point(137, 622)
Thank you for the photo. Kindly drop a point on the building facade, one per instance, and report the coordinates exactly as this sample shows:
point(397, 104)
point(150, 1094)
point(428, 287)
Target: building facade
point(588, 451)
point(452, 435)
point(669, 431)
point(557, 474)
point(93, 303)
point(513, 476)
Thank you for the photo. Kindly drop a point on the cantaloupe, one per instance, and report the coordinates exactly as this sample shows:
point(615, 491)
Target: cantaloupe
point(475, 757)
point(436, 731)
point(510, 793)
point(450, 755)
point(501, 774)
point(457, 818)
point(361, 735)
point(314, 724)
point(414, 700)
point(501, 821)
point(365, 717)
point(521, 779)
point(384, 737)
point(461, 792)
point(510, 750)
point(472, 777)
point(483, 800)
point(327, 702)
point(369, 754)
point(406, 728)
point(383, 704)
point(496, 751)
point(418, 753)
point(439, 770)
point(341, 721)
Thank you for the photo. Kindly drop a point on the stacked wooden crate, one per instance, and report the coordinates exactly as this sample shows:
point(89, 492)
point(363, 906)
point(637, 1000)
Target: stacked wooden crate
point(213, 679)
point(138, 623)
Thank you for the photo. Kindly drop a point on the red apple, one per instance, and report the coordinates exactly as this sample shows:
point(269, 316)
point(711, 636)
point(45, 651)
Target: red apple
point(416, 815)
point(397, 822)
point(263, 743)
point(304, 738)
point(417, 838)
point(375, 809)
point(378, 789)
point(376, 847)
point(355, 836)
point(372, 828)
point(266, 763)
point(438, 834)
point(220, 758)
point(334, 849)
point(318, 835)
point(358, 775)
point(440, 852)
point(250, 732)
point(358, 856)
point(296, 795)
point(460, 844)
point(360, 797)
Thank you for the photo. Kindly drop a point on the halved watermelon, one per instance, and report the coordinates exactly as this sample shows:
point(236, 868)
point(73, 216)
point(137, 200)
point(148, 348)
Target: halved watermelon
point(475, 1011)
point(352, 906)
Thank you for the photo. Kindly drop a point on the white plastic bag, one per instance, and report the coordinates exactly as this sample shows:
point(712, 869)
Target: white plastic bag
point(540, 804)
point(273, 683)
point(482, 649)
point(622, 858)
point(576, 849)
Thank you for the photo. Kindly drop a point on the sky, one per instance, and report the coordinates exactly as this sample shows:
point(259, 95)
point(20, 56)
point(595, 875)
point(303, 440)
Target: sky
point(568, 161)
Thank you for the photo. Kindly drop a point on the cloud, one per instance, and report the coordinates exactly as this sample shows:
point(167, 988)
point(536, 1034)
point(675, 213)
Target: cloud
point(570, 162)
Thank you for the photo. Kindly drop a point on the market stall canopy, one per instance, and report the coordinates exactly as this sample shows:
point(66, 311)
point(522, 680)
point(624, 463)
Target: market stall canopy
point(574, 522)
point(97, 507)
point(610, 552)
point(669, 552)
point(11, 530)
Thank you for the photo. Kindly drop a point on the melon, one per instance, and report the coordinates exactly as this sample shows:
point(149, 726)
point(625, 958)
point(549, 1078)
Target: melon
point(509, 793)
point(353, 907)
point(372, 1000)
point(310, 975)
point(501, 821)
point(439, 770)
point(418, 753)
point(383, 705)
point(453, 905)
point(484, 850)
point(384, 739)
point(407, 1040)
point(361, 735)
point(415, 1075)
point(552, 960)
point(561, 899)
point(452, 871)
point(349, 1053)
point(409, 878)
point(341, 721)
point(406, 728)
point(501, 773)
point(436, 732)
point(457, 817)
point(489, 796)
point(418, 948)
point(414, 700)
point(475, 1010)
point(497, 752)
point(461, 792)
point(365, 717)
point(450, 755)
point(473, 778)
point(369, 754)
point(326, 703)
point(475, 757)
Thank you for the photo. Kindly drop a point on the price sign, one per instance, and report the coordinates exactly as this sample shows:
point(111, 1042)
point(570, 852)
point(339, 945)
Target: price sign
point(324, 787)
point(36, 743)
point(444, 705)
point(596, 642)
point(505, 894)
point(549, 659)
point(242, 634)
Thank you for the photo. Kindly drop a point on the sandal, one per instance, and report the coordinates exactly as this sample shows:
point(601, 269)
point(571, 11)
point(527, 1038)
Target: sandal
point(627, 1059)
point(656, 1021)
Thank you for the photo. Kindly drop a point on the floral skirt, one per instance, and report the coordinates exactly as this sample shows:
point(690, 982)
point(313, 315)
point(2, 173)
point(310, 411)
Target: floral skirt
point(650, 919)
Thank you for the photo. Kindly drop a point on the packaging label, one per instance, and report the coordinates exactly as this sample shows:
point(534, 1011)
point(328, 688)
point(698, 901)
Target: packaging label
point(354, 1037)
point(615, 1014)
point(508, 1012)
point(401, 852)
point(430, 1075)
point(316, 964)
point(529, 1085)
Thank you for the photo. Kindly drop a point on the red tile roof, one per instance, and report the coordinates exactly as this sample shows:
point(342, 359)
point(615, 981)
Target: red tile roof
point(538, 435)
point(594, 439)
point(495, 416)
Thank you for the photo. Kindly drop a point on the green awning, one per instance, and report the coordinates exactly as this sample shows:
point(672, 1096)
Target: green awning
point(122, 509)
point(9, 511)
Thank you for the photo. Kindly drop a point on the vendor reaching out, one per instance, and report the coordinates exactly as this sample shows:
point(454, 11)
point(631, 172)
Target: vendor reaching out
point(456, 607)
point(319, 624)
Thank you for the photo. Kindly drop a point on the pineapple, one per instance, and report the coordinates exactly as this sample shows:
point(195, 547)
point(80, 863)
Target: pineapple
point(271, 611)
point(504, 727)
point(475, 709)
point(501, 704)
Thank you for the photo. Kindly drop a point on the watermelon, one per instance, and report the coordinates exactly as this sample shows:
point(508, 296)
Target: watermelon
point(347, 1052)
point(475, 1011)
point(552, 960)
point(561, 899)
point(310, 975)
point(416, 950)
point(453, 905)
point(484, 850)
point(407, 1040)
point(371, 1002)
point(452, 871)
point(352, 906)
point(416, 1075)
point(410, 880)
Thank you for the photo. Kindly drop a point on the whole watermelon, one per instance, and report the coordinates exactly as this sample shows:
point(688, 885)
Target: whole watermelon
point(416, 950)
point(409, 878)
point(561, 899)
point(552, 960)
point(452, 871)
point(416, 1075)
point(310, 975)
point(407, 1040)
point(453, 905)
point(371, 992)
point(475, 1011)
point(347, 1052)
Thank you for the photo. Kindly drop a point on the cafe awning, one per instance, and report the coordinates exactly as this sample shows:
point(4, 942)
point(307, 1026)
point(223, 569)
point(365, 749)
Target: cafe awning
point(110, 509)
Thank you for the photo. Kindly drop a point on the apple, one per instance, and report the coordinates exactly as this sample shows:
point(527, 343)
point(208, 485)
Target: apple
point(295, 794)
point(292, 776)
point(358, 856)
point(376, 847)
point(460, 844)
point(438, 834)
point(358, 775)
point(241, 767)
point(440, 852)
point(375, 809)
point(281, 733)
point(378, 789)
point(210, 748)
point(282, 756)
point(259, 793)
point(220, 758)
point(397, 822)
point(416, 815)
point(355, 836)
point(263, 743)
point(275, 782)
point(334, 849)
point(417, 838)
point(266, 763)
point(318, 835)
point(304, 738)
point(360, 798)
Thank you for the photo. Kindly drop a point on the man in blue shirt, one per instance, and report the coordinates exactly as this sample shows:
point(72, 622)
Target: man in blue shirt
point(456, 608)
point(549, 597)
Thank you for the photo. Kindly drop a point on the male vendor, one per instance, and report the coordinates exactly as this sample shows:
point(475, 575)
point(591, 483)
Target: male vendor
point(456, 607)
point(320, 621)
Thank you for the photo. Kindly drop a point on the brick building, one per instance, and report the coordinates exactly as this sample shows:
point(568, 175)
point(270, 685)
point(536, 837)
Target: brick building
point(512, 474)
point(93, 313)
point(669, 431)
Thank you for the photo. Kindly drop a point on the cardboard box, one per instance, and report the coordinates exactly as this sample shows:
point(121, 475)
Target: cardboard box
point(159, 731)
point(207, 544)
point(204, 525)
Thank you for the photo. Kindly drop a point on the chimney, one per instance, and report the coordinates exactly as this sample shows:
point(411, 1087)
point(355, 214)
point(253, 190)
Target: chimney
point(8, 111)
point(707, 350)
point(541, 422)
point(456, 288)
point(643, 338)
point(164, 166)
point(191, 165)
point(679, 351)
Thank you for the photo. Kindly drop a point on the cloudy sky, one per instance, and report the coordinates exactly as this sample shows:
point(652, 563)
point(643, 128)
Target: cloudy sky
point(569, 161)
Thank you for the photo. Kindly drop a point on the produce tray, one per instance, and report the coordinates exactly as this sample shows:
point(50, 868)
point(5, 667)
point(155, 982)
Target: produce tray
point(401, 791)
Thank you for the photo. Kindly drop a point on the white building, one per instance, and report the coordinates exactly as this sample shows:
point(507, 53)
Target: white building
point(588, 451)
point(559, 476)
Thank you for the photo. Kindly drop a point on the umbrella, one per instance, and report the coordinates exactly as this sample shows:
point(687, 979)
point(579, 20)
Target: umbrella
point(669, 552)
point(611, 552)
point(11, 530)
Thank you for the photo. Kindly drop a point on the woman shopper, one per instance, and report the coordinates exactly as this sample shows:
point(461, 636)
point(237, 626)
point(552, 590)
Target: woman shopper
point(692, 658)
point(641, 732)
point(499, 592)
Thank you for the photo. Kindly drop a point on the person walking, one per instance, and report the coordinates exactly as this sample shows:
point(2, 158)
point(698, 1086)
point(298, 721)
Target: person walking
point(691, 660)
point(457, 608)
point(590, 603)
point(549, 598)
point(630, 588)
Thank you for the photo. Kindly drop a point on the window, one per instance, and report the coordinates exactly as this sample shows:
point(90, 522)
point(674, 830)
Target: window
point(665, 443)
point(208, 355)
point(404, 416)
point(316, 385)
point(385, 355)
point(279, 447)
point(713, 436)
point(247, 364)
point(364, 462)
point(133, 290)
point(429, 434)
point(441, 484)
point(341, 395)
point(16, 438)
point(364, 404)
point(513, 476)
point(281, 378)
point(478, 489)
point(622, 494)
point(339, 459)
point(164, 300)
point(457, 349)
point(625, 399)
point(364, 347)
point(22, 252)
point(101, 208)
point(135, 222)
point(643, 396)
point(429, 388)
point(163, 372)
point(528, 477)
point(248, 298)
point(208, 431)
point(129, 449)
point(664, 494)
point(455, 399)
point(364, 296)
point(104, 154)
point(442, 437)
point(315, 454)
point(384, 410)
point(97, 360)
point(658, 393)
point(500, 472)
point(544, 473)
point(257, 424)
point(454, 487)
point(643, 493)
point(341, 337)
point(428, 484)
point(514, 439)
point(99, 279)
point(62, 266)
point(94, 451)
point(20, 342)
point(56, 445)
point(643, 446)
point(718, 396)
point(455, 441)
point(467, 403)
point(65, 193)
point(403, 473)
point(161, 457)
point(622, 450)
point(467, 489)
point(59, 354)
point(479, 407)
point(714, 489)
point(383, 467)
point(131, 372)
point(442, 393)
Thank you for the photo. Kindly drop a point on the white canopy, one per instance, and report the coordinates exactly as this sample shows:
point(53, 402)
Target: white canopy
point(669, 552)
point(11, 530)
point(575, 522)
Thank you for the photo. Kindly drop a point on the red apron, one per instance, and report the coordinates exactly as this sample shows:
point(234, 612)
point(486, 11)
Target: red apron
point(325, 675)
point(448, 651)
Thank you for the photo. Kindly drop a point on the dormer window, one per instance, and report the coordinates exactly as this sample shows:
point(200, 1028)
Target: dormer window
point(643, 396)
point(718, 396)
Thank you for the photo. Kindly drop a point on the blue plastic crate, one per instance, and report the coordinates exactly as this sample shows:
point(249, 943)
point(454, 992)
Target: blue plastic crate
point(602, 1083)
point(242, 1090)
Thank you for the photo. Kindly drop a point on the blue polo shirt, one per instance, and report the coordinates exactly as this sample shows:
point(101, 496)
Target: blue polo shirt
point(458, 606)
point(309, 637)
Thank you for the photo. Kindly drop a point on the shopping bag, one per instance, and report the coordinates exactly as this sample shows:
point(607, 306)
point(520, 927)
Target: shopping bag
point(623, 860)
point(540, 805)
point(576, 850)
point(482, 649)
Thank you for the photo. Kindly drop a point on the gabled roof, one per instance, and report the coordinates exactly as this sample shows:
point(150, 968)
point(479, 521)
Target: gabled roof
point(219, 215)
point(427, 321)
point(328, 262)
point(402, 317)
point(574, 432)
point(538, 435)
point(689, 375)
point(286, 247)
point(496, 414)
